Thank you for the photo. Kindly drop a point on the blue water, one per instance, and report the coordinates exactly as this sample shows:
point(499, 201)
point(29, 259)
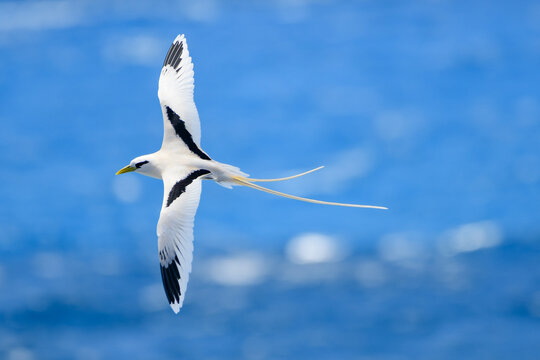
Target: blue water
point(431, 108)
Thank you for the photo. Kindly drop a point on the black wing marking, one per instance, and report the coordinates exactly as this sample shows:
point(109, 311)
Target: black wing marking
point(174, 55)
point(180, 128)
point(170, 275)
point(180, 187)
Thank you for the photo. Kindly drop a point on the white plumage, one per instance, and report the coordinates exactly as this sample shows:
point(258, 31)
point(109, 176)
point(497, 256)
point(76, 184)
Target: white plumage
point(175, 90)
point(182, 164)
point(175, 233)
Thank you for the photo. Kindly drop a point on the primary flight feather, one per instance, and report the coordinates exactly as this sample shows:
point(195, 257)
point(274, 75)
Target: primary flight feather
point(182, 164)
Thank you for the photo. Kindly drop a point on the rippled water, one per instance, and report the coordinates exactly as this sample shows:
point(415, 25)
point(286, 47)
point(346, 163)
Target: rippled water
point(482, 304)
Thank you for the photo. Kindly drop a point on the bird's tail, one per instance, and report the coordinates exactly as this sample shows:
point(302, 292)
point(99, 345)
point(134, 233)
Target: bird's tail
point(285, 178)
point(245, 181)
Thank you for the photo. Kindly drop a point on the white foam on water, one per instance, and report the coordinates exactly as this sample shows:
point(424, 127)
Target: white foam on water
point(470, 237)
point(311, 248)
point(400, 247)
point(237, 270)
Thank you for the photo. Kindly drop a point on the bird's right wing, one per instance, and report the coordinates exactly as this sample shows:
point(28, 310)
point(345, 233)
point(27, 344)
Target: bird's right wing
point(182, 128)
point(175, 232)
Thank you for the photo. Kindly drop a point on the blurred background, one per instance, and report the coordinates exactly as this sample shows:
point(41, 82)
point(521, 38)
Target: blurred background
point(431, 108)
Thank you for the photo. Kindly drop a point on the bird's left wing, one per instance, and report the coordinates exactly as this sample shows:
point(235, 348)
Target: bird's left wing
point(182, 129)
point(175, 231)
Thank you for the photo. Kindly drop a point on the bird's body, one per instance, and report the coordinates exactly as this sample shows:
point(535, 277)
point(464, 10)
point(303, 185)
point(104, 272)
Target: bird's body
point(181, 163)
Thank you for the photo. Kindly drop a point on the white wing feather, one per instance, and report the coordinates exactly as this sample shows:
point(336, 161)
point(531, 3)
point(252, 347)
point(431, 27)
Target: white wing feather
point(175, 236)
point(176, 92)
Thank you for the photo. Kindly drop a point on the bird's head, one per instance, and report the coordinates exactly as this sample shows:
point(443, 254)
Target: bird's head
point(143, 165)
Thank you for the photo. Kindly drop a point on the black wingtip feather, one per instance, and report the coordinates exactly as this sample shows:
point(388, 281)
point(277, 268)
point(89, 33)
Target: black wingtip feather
point(170, 275)
point(166, 286)
point(174, 55)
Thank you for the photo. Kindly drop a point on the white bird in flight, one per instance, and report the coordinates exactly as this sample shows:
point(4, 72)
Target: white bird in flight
point(182, 164)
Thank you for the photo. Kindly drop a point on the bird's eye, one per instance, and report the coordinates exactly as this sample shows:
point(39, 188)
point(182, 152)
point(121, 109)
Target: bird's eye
point(139, 164)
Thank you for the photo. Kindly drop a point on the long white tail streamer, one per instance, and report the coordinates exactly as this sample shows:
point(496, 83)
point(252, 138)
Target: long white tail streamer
point(243, 181)
point(283, 179)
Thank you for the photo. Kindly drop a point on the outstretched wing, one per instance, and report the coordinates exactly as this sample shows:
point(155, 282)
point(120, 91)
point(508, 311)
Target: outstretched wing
point(175, 232)
point(182, 129)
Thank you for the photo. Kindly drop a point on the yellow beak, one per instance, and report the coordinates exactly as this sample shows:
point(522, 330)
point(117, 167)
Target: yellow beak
point(126, 169)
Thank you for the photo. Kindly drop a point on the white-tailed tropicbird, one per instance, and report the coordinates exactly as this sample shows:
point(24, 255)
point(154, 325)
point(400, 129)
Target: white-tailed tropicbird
point(182, 164)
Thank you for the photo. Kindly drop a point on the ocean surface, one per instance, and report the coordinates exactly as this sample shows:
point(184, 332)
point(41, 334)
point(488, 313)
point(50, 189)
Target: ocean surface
point(431, 108)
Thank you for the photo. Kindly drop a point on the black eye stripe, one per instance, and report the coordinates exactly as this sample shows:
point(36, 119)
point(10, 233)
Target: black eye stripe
point(139, 164)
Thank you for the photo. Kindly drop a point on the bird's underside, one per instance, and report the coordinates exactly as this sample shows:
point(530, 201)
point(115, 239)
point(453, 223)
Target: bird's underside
point(182, 164)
